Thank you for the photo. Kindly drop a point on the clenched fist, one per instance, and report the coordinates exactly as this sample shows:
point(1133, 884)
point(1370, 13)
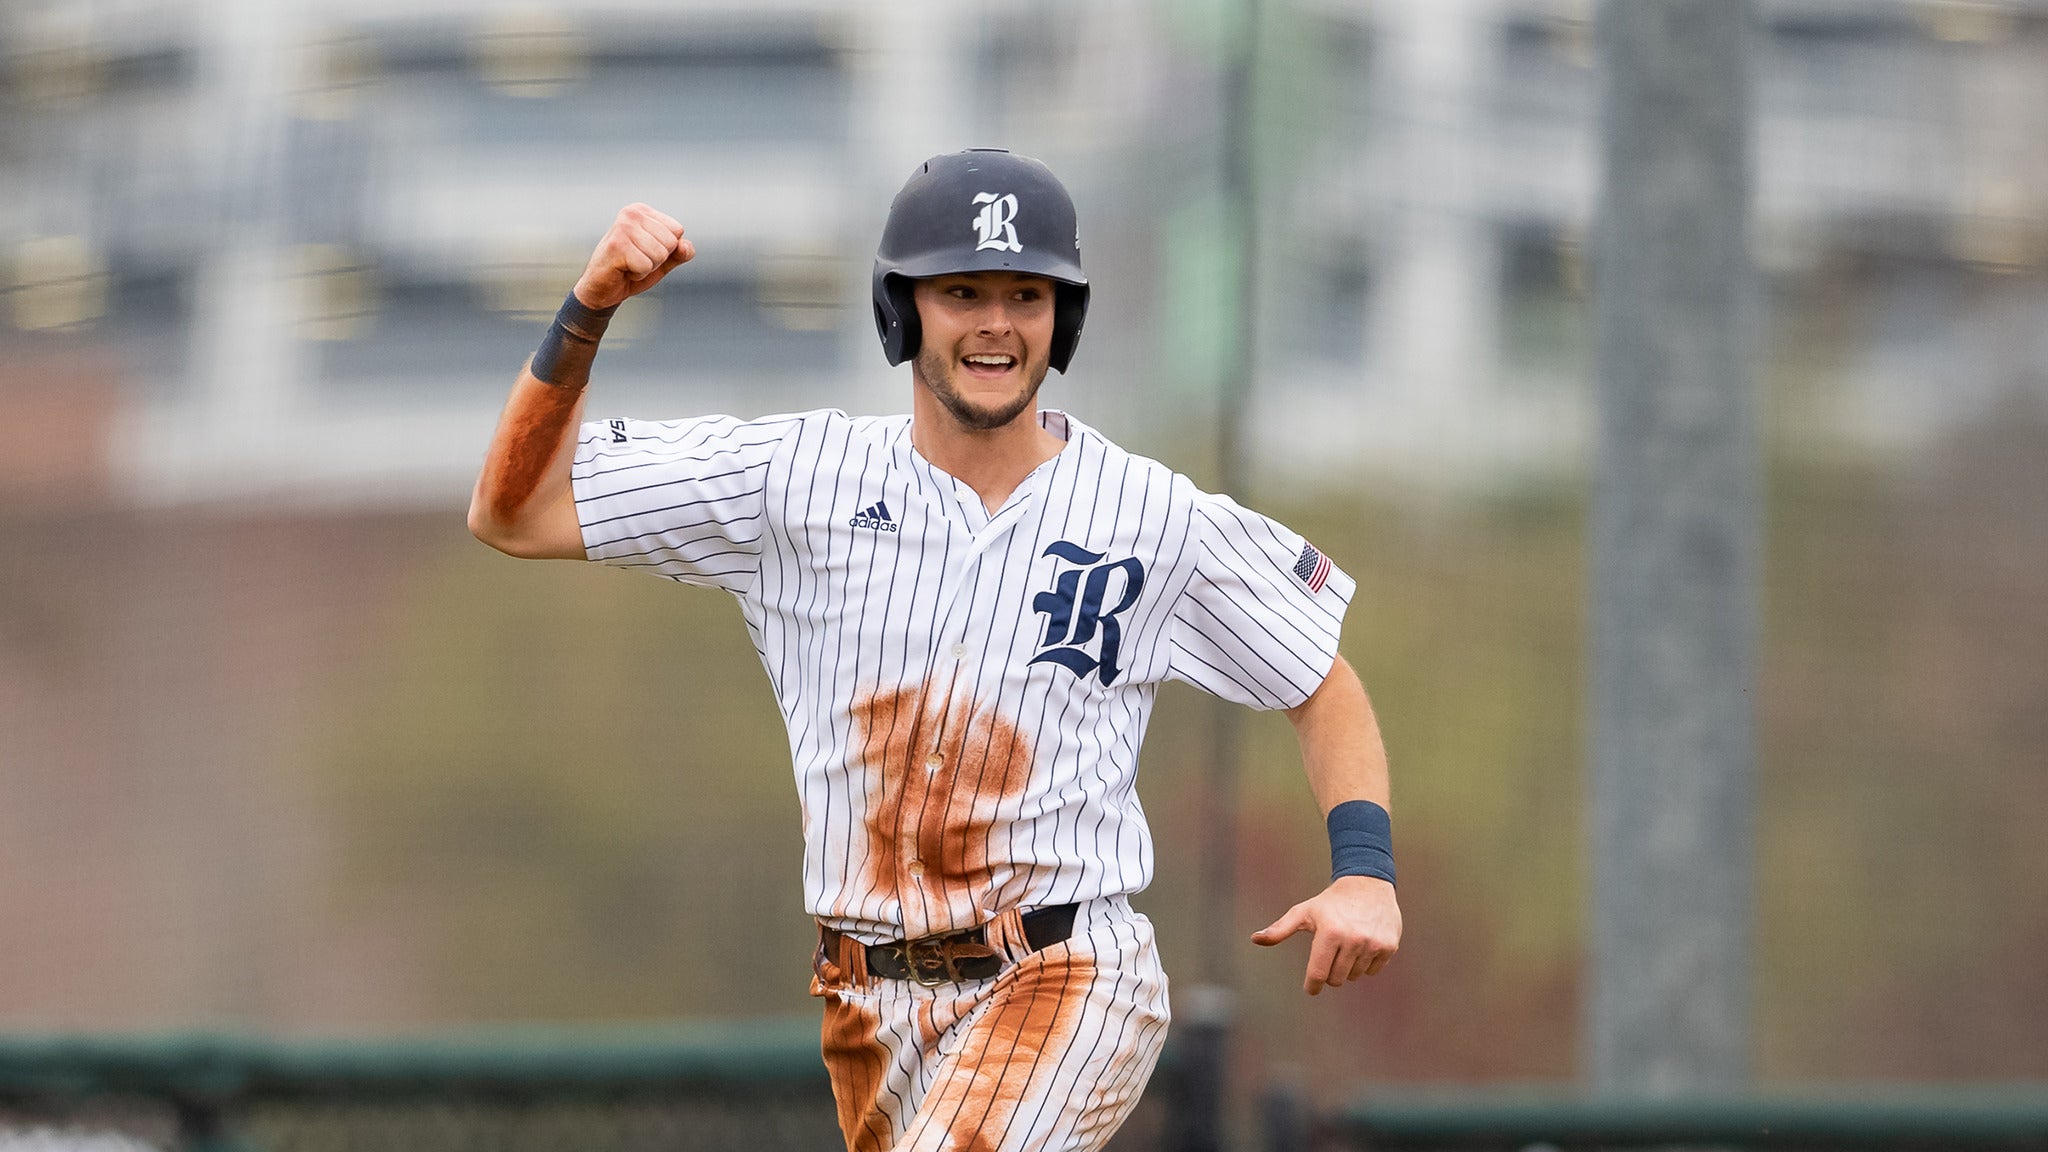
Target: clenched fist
point(642, 246)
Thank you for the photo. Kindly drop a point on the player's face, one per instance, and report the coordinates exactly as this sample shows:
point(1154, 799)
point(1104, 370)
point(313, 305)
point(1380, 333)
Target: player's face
point(986, 340)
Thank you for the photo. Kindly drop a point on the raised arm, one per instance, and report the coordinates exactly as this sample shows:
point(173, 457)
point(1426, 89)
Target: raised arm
point(1356, 921)
point(522, 504)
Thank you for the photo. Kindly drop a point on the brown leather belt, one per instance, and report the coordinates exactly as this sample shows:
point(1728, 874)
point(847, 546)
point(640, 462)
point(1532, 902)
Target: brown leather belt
point(962, 955)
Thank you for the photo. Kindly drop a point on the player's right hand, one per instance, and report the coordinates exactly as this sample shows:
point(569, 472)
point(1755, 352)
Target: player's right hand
point(642, 246)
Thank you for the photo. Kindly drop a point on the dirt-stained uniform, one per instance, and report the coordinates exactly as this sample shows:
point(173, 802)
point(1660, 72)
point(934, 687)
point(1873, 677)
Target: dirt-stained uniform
point(965, 694)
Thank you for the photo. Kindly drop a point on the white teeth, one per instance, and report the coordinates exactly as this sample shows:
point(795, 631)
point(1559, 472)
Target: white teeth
point(998, 361)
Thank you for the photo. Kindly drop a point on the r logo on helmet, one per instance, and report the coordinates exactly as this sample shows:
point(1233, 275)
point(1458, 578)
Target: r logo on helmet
point(992, 223)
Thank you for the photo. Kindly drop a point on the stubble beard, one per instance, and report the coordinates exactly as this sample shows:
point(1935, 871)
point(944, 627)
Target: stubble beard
point(934, 372)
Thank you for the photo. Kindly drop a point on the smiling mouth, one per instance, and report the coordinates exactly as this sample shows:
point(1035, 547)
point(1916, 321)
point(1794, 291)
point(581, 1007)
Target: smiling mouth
point(988, 363)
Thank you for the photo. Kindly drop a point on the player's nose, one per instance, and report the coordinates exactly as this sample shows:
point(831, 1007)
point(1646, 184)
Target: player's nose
point(994, 319)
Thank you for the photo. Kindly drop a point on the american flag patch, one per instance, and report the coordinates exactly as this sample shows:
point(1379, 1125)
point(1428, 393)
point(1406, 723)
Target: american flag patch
point(1312, 566)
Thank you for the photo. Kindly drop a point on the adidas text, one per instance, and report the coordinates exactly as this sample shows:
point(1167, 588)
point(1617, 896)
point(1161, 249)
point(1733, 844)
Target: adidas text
point(875, 516)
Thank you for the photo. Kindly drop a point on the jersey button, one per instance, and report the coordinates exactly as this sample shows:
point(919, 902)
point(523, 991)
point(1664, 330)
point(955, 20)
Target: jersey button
point(959, 651)
point(916, 866)
point(934, 762)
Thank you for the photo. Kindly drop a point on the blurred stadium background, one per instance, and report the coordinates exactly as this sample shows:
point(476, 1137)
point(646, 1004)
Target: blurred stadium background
point(284, 751)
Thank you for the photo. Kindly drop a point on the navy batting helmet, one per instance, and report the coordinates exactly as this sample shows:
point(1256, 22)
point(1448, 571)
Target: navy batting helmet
point(982, 210)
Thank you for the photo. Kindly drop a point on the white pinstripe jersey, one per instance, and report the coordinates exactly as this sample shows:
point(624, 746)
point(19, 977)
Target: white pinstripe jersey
point(965, 693)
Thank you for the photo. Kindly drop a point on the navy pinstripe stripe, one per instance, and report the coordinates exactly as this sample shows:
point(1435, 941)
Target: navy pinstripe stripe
point(1048, 758)
point(1215, 639)
point(976, 687)
point(903, 659)
point(1070, 699)
point(1096, 714)
point(611, 557)
point(809, 632)
point(922, 702)
point(785, 563)
point(692, 480)
point(1128, 1080)
point(713, 523)
point(1023, 567)
point(1245, 690)
point(641, 512)
point(1121, 735)
point(836, 720)
point(853, 867)
point(812, 622)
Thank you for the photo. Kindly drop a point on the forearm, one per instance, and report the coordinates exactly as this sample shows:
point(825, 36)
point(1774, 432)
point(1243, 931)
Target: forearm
point(1341, 751)
point(523, 503)
point(530, 457)
point(1357, 919)
point(525, 479)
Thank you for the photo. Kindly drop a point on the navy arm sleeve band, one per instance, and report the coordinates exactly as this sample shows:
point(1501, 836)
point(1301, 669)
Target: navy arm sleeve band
point(1361, 841)
point(576, 323)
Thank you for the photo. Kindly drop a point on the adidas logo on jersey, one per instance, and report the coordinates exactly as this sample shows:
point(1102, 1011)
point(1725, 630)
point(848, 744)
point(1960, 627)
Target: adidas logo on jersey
point(875, 516)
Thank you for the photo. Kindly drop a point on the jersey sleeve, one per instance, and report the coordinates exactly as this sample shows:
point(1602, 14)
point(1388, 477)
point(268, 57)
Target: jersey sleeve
point(1261, 616)
point(680, 498)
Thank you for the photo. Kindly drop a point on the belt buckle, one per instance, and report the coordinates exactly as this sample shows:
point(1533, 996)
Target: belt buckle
point(930, 965)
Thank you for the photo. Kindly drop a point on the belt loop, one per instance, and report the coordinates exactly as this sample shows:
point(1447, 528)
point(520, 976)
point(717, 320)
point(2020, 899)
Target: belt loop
point(846, 954)
point(853, 960)
point(1006, 934)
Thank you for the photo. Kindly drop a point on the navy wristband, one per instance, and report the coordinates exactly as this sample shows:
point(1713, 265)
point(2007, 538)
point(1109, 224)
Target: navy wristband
point(1361, 841)
point(575, 321)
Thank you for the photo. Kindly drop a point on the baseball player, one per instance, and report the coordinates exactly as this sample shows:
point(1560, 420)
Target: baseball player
point(965, 613)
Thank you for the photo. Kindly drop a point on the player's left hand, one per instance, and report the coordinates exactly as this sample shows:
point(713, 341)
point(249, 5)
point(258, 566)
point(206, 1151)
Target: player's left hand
point(1356, 924)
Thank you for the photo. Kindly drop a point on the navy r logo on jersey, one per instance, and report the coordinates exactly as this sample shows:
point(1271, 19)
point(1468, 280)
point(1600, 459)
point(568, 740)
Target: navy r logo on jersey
point(1076, 614)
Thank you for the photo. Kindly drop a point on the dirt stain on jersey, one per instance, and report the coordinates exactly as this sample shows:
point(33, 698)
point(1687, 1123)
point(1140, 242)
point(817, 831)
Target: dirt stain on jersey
point(940, 769)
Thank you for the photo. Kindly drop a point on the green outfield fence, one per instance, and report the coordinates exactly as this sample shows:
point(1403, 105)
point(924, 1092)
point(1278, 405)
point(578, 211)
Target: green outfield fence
point(699, 1086)
point(1876, 1118)
point(756, 1085)
point(759, 1085)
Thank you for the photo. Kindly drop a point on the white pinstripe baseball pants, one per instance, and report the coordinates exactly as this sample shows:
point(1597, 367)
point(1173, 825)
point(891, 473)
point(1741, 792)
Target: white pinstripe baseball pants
point(1051, 1054)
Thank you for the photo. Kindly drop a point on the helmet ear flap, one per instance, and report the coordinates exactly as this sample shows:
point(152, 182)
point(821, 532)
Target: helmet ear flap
point(896, 317)
point(1069, 310)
